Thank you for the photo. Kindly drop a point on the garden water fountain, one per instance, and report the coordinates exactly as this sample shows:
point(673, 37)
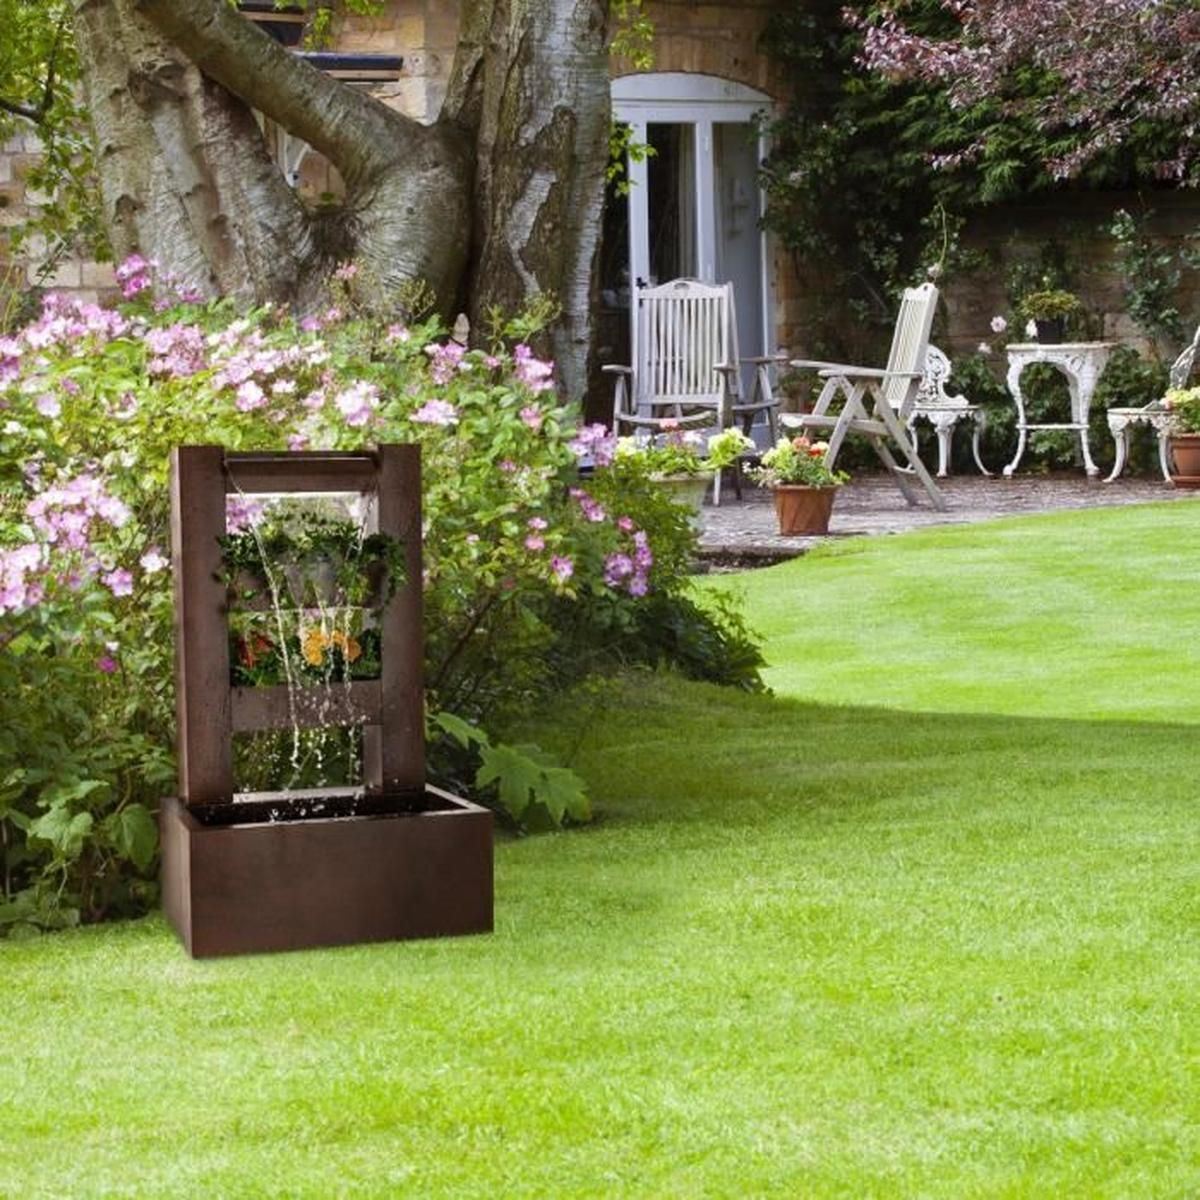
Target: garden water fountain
point(382, 857)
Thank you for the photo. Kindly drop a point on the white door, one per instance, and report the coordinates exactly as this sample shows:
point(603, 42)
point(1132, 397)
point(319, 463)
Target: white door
point(694, 204)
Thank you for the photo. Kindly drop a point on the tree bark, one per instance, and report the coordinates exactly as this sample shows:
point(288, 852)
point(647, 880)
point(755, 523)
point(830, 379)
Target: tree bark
point(497, 201)
point(184, 175)
point(531, 80)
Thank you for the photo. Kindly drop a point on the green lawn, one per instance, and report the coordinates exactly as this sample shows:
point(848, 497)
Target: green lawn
point(924, 923)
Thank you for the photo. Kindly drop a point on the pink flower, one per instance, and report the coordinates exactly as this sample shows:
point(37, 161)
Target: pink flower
point(532, 372)
point(999, 324)
point(532, 417)
point(119, 582)
point(625, 524)
point(133, 275)
point(445, 360)
point(535, 542)
point(358, 403)
point(398, 333)
point(537, 523)
point(297, 441)
point(249, 397)
point(346, 271)
point(153, 561)
point(48, 405)
point(594, 442)
point(107, 664)
point(562, 567)
point(436, 412)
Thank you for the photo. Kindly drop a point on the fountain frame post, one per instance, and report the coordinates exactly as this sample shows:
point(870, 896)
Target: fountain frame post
point(409, 860)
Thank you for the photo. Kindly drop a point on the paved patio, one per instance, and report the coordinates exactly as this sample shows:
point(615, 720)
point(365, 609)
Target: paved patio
point(744, 532)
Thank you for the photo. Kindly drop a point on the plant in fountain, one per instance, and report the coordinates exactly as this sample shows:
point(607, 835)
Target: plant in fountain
point(304, 583)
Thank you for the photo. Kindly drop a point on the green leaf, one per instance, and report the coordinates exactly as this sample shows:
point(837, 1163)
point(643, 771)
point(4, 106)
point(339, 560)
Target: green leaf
point(134, 834)
point(562, 793)
point(463, 732)
point(514, 774)
point(66, 833)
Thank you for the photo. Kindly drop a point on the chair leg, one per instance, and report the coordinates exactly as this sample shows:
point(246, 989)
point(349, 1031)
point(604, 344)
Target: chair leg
point(887, 415)
point(978, 425)
point(1121, 440)
point(898, 473)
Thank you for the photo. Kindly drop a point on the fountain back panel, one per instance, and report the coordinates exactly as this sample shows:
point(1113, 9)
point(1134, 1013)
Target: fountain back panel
point(396, 858)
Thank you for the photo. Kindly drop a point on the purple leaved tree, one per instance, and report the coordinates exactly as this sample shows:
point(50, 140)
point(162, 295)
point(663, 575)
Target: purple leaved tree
point(1107, 66)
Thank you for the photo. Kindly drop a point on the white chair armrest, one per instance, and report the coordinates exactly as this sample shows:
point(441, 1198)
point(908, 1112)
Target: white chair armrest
point(615, 370)
point(867, 373)
point(814, 364)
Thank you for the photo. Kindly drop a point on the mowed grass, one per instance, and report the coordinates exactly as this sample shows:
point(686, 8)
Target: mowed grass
point(923, 923)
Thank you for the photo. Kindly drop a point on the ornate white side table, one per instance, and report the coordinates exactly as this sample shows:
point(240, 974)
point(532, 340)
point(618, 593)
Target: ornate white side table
point(1081, 363)
point(1120, 424)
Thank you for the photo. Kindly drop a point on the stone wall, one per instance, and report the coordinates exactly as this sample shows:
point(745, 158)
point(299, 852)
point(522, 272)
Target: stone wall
point(1071, 226)
point(32, 269)
point(713, 39)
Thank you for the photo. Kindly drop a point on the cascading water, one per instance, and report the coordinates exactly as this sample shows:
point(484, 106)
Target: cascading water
point(317, 623)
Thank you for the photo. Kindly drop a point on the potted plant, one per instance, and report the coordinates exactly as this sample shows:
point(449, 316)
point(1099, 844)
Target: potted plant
point(803, 487)
point(1048, 311)
point(684, 462)
point(1183, 436)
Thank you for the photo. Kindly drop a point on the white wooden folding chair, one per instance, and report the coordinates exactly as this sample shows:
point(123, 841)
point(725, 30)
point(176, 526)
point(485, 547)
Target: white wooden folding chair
point(877, 403)
point(685, 371)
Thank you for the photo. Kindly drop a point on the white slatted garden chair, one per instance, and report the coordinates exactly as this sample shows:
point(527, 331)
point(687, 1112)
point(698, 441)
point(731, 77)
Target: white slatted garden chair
point(686, 373)
point(877, 403)
point(943, 411)
point(1121, 421)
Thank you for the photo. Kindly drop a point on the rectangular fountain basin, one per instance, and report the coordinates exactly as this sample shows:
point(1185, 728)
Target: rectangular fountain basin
point(237, 879)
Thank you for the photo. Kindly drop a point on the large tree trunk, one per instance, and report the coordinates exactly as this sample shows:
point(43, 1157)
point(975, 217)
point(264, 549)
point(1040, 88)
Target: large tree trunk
point(531, 79)
point(497, 201)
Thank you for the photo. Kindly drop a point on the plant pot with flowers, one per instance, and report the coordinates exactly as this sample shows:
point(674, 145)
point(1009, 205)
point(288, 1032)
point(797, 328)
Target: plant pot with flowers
point(684, 461)
point(1048, 312)
point(1183, 438)
point(803, 487)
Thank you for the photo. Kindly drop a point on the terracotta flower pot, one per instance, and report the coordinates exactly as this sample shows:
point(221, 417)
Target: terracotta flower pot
point(802, 509)
point(1185, 455)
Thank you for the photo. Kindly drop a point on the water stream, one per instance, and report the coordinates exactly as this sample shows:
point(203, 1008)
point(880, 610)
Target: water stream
point(304, 605)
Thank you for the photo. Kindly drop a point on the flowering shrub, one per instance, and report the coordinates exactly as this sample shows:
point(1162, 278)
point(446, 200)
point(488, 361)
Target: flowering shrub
point(532, 576)
point(796, 461)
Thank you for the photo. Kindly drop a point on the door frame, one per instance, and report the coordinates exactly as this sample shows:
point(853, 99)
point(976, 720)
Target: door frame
point(682, 98)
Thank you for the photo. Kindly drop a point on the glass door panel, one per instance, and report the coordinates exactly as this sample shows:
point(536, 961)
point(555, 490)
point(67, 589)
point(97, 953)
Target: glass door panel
point(671, 202)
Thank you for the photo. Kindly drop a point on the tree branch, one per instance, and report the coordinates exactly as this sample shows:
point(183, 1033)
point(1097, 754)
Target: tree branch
point(360, 136)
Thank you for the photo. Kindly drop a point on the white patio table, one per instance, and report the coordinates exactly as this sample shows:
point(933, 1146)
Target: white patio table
point(1081, 363)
